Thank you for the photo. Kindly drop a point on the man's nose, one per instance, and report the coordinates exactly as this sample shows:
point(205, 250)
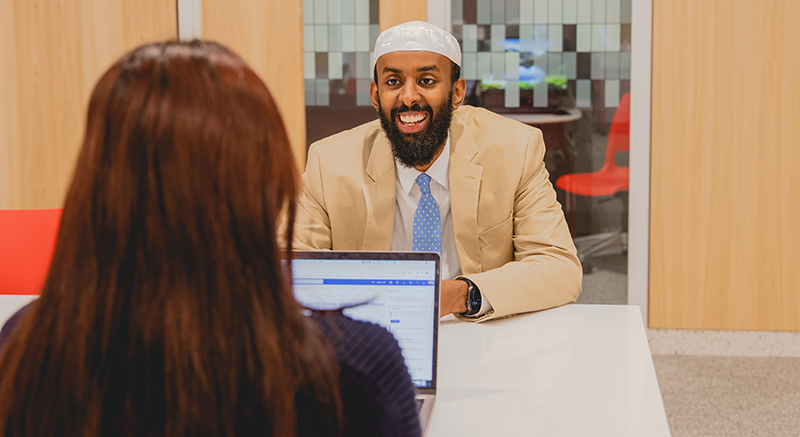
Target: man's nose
point(409, 94)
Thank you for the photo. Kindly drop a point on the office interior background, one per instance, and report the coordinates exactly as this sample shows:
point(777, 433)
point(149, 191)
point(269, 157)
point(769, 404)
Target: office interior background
point(718, 278)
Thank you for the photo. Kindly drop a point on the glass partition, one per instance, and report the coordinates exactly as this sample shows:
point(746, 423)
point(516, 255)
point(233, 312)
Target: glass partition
point(564, 66)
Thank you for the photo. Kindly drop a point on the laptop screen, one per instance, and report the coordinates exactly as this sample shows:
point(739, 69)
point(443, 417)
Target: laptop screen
point(397, 290)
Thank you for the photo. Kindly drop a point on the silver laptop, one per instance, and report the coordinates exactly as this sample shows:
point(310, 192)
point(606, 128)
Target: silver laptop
point(401, 291)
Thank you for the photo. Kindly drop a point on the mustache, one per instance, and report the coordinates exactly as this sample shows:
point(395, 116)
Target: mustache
point(414, 108)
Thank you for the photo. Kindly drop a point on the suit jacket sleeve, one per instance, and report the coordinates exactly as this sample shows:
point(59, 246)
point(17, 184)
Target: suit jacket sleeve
point(312, 228)
point(538, 268)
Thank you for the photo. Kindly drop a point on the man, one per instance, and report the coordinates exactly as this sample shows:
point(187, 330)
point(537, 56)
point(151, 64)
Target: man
point(433, 175)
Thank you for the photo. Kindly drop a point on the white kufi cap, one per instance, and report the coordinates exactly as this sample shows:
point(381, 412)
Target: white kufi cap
point(417, 36)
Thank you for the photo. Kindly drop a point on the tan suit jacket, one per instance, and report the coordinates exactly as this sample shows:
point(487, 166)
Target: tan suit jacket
point(511, 236)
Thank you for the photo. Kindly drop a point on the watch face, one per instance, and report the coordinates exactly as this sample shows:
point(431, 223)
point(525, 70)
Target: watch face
point(471, 308)
point(473, 297)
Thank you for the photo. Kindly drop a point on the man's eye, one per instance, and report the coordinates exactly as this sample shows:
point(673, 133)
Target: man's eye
point(392, 82)
point(427, 81)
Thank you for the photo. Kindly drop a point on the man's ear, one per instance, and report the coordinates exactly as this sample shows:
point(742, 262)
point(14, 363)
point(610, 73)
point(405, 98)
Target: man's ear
point(373, 96)
point(459, 92)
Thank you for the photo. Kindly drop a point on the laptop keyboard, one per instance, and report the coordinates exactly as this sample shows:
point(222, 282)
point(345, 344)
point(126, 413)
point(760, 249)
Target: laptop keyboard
point(420, 401)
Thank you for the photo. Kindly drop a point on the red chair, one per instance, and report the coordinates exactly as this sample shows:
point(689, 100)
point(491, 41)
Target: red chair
point(610, 180)
point(27, 242)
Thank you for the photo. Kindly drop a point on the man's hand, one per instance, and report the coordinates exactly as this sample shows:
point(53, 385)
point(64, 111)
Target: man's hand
point(453, 297)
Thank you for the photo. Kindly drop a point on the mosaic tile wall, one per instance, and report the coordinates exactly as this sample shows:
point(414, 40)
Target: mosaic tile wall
point(338, 38)
point(520, 55)
point(578, 49)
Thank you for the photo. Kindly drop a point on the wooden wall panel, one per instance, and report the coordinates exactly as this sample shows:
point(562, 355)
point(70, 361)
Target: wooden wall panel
point(52, 54)
point(269, 36)
point(725, 188)
point(395, 12)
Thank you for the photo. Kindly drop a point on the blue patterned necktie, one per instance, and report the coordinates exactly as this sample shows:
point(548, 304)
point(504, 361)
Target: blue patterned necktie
point(427, 224)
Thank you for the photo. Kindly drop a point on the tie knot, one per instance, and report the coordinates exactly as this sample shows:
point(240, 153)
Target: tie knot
point(424, 182)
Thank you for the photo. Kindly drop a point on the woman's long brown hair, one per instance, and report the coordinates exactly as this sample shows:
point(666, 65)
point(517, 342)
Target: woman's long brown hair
point(166, 311)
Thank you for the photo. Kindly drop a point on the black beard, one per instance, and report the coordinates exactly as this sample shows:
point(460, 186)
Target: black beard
point(418, 149)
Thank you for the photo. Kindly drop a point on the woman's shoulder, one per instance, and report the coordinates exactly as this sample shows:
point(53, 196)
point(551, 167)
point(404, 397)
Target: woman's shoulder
point(353, 338)
point(363, 348)
point(377, 393)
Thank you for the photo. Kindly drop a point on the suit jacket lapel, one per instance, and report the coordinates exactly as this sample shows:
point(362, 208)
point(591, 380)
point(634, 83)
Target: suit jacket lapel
point(379, 196)
point(465, 184)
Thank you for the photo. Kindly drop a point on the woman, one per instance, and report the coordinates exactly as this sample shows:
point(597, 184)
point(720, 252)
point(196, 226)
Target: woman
point(166, 310)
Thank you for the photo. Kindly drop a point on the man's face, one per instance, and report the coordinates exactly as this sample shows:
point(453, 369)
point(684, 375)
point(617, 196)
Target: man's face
point(415, 99)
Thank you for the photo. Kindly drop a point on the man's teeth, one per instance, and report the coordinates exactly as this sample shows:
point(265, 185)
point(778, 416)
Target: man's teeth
point(410, 119)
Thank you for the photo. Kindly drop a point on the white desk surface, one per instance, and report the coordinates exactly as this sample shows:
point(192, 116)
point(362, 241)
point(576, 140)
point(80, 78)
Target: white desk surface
point(10, 303)
point(578, 370)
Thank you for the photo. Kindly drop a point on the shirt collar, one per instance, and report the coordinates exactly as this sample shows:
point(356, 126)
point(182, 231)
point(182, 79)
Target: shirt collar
point(437, 171)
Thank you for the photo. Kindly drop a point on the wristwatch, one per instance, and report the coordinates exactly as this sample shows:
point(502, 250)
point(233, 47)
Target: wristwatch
point(473, 298)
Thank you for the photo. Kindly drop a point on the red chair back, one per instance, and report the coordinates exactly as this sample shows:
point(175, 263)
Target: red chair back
point(27, 242)
point(619, 136)
point(611, 178)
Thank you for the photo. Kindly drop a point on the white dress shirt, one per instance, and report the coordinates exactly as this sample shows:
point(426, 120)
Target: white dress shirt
point(407, 194)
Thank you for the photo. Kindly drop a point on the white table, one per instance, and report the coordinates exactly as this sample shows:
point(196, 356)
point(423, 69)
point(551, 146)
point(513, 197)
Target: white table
point(10, 303)
point(578, 370)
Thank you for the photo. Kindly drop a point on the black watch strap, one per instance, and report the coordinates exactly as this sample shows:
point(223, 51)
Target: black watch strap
point(473, 298)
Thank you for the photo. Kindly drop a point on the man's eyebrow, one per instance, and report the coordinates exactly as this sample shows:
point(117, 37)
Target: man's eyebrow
point(428, 68)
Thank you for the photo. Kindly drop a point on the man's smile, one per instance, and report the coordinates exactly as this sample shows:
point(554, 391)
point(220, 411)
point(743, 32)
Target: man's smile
point(410, 122)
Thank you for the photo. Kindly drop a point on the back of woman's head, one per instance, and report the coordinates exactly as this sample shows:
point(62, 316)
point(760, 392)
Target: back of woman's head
point(165, 311)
